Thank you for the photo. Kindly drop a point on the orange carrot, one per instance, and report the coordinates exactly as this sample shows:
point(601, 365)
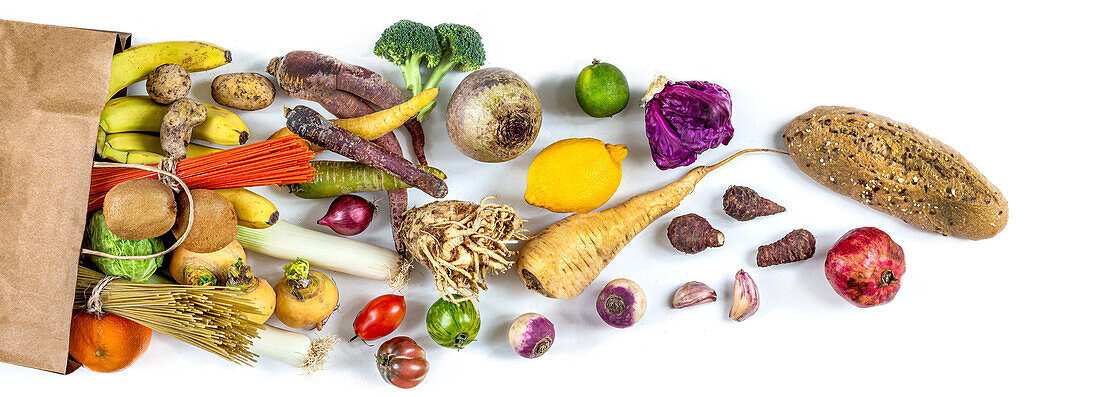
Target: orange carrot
point(563, 259)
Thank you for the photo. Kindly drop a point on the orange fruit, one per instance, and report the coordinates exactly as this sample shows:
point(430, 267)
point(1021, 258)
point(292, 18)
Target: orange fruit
point(106, 344)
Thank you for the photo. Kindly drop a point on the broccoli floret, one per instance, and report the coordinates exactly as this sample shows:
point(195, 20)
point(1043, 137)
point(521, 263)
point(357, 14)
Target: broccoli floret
point(461, 48)
point(407, 44)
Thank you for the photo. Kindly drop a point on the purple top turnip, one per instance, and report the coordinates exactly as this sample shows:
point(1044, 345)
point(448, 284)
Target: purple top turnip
point(865, 267)
point(621, 303)
point(531, 335)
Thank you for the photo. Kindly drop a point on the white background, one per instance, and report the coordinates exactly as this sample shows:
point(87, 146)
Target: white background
point(1012, 87)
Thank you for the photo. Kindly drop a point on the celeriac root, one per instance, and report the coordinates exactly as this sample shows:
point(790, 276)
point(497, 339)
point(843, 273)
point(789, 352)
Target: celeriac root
point(461, 242)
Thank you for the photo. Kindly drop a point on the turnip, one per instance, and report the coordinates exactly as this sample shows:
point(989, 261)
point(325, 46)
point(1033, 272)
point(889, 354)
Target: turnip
point(621, 303)
point(531, 335)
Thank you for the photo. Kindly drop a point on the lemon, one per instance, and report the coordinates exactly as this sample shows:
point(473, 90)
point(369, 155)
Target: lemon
point(602, 90)
point(575, 175)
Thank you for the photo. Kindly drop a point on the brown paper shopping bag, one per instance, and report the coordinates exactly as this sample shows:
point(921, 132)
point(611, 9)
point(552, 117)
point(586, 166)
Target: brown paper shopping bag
point(53, 84)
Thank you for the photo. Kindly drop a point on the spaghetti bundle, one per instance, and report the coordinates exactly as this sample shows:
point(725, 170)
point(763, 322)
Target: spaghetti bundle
point(273, 162)
point(209, 317)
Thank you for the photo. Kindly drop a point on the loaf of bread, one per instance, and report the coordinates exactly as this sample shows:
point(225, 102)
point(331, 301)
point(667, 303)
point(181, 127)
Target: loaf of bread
point(896, 169)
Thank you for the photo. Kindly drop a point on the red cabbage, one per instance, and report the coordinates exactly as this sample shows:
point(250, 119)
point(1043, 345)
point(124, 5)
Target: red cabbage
point(686, 118)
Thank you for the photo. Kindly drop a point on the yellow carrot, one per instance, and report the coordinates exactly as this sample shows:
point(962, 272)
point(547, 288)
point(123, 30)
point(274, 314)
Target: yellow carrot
point(563, 259)
point(374, 125)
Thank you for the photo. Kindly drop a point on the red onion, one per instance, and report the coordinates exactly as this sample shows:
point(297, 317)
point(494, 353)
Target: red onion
point(348, 215)
point(621, 303)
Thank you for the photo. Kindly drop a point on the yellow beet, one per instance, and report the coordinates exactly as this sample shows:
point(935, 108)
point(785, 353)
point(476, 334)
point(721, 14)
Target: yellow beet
point(192, 268)
point(305, 298)
point(263, 297)
point(563, 259)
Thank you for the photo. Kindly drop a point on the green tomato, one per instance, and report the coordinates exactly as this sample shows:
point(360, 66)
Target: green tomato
point(453, 325)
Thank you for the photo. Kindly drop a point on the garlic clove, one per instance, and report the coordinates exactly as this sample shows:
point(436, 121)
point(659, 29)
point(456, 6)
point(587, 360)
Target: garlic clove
point(746, 298)
point(693, 293)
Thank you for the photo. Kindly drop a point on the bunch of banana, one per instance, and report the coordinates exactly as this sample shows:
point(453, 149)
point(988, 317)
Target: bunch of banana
point(139, 148)
point(141, 113)
point(135, 64)
point(253, 210)
point(124, 118)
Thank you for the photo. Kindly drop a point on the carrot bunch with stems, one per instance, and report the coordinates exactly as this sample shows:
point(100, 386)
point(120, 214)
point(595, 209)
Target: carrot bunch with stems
point(563, 259)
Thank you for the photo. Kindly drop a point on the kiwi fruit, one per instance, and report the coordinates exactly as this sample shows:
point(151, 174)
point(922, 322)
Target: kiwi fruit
point(139, 209)
point(214, 225)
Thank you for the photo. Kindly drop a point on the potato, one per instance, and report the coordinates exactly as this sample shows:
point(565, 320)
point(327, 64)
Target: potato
point(896, 169)
point(168, 83)
point(244, 91)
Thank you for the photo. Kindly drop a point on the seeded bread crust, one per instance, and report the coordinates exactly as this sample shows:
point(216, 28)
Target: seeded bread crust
point(894, 168)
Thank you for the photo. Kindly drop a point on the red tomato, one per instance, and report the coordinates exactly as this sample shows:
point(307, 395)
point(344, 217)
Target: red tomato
point(380, 317)
point(401, 362)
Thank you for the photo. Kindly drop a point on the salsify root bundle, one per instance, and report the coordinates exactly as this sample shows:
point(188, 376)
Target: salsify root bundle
point(209, 317)
point(461, 242)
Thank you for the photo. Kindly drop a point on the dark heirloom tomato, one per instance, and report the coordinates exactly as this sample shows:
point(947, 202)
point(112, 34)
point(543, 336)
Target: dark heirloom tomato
point(401, 362)
point(380, 317)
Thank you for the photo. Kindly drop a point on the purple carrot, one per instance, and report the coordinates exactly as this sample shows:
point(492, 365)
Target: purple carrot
point(318, 77)
point(309, 124)
point(345, 105)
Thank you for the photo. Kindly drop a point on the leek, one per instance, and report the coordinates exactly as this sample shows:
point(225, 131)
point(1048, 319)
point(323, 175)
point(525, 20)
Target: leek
point(293, 348)
point(285, 240)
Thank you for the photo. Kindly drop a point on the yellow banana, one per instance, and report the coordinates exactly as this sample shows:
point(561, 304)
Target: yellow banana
point(138, 148)
point(135, 64)
point(132, 157)
point(141, 113)
point(253, 210)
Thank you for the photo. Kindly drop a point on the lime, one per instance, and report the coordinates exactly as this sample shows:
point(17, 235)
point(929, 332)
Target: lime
point(602, 90)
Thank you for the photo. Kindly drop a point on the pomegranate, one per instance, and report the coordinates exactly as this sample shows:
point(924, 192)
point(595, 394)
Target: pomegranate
point(865, 267)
